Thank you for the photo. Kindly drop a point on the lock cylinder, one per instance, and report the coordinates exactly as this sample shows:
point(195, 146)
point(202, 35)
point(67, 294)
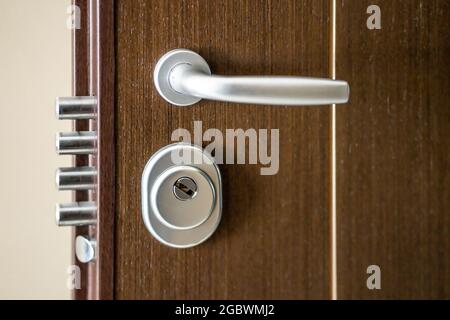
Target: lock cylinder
point(181, 201)
point(185, 188)
point(176, 201)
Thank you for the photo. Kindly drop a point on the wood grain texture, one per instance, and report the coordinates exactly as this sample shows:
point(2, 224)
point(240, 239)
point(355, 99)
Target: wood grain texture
point(393, 142)
point(273, 240)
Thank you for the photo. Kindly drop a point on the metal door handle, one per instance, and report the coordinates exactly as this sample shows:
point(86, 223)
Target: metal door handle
point(182, 77)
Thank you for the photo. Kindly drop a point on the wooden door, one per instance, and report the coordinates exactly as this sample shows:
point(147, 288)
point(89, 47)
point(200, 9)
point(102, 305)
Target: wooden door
point(393, 142)
point(358, 185)
point(273, 238)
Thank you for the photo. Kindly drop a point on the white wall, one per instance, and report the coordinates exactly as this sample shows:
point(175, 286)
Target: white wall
point(35, 67)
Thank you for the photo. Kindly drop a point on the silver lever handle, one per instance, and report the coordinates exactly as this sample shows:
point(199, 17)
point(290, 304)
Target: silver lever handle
point(182, 77)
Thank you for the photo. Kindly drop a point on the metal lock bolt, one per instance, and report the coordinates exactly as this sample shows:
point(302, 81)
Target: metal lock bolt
point(182, 197)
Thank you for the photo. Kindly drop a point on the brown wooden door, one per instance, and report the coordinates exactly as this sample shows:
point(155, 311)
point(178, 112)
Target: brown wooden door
point(393, 142)
point(359, 184)
point(273, 239)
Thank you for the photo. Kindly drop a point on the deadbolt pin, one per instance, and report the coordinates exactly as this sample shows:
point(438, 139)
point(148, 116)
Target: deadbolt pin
point(76, 108)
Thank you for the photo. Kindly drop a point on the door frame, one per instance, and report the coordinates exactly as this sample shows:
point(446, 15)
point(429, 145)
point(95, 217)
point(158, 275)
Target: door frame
point(94, 75)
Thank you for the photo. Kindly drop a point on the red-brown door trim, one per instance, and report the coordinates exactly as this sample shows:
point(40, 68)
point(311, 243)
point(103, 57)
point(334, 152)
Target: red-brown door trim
point(94, 75)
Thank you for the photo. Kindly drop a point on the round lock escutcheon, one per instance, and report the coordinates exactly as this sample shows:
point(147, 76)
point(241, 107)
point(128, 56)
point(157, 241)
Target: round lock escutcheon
point(181, 197)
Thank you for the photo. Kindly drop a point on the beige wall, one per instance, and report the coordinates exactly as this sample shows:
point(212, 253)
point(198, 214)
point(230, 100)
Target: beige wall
point(35, 60)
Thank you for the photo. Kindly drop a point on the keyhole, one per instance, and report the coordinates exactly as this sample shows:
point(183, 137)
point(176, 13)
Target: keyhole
point(185, 189)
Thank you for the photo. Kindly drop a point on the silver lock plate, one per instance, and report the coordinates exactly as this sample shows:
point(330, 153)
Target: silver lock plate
point(181, 197)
